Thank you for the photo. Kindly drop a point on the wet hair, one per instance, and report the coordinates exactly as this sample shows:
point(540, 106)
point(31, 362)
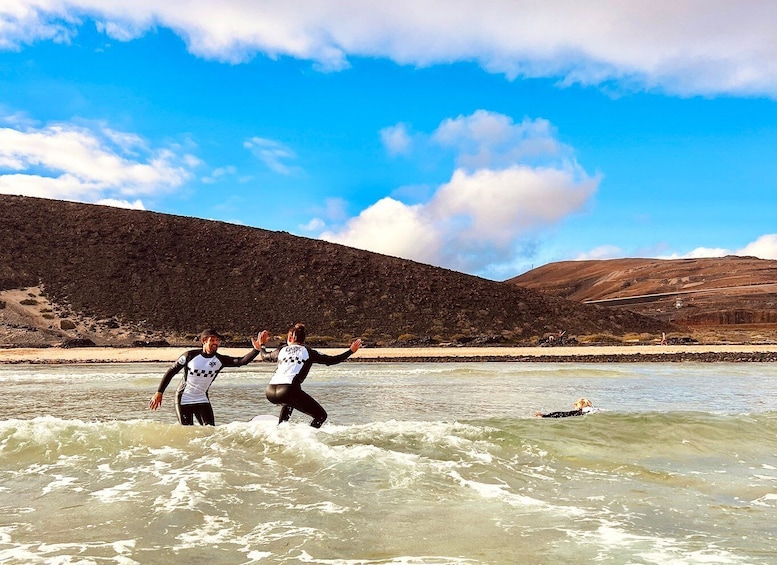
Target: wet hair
point(583, 403)
point(297, 333)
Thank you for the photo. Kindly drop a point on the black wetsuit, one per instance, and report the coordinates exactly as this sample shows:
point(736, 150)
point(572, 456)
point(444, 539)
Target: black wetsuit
point(200, 370)
point(580, 412)
point(285, 387)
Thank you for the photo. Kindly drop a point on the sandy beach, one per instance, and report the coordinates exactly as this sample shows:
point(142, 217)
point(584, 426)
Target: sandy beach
point(613, 353)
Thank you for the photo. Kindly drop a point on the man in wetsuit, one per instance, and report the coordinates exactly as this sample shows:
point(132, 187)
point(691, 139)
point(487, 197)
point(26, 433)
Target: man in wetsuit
point(294, 362)
point(200, 369)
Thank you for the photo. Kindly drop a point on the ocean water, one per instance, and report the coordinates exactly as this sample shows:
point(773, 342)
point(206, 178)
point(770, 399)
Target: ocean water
point(419, 463)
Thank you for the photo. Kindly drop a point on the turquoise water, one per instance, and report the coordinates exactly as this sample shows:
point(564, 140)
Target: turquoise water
point(419, 463)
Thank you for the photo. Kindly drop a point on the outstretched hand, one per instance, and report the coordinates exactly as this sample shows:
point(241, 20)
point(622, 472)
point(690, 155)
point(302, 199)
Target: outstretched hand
point(356, 345)
point(262, 338)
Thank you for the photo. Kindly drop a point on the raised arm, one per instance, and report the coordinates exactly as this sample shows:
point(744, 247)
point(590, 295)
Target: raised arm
point(324, 359)
point(261, 338)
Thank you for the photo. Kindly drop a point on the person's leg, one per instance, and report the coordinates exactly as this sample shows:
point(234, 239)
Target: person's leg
point(318, 421)
point(286, 411)
point(308, 405)
point(184, 413)
point(292, 397)
point(204, 414)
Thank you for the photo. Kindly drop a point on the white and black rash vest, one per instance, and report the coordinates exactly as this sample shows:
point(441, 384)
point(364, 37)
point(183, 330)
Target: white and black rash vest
point(294, 362)
point(200, 370)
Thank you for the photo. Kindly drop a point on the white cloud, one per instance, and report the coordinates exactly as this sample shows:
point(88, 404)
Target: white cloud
point(702, 252)
point(219, 173)
point(684, 46)
point(136, 205)
point(488, 139)
point(314, 225)
point(272, 153)
point(23, 22)
point(475, 221)
point(393, 228)
point(122, 31)
point(70, 162)
point(471, 222)
point(601, 252)
point(396, 139)
point(765, 247)
point(499, 205)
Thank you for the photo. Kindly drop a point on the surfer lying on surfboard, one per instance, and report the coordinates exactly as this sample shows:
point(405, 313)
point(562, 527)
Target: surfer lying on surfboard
point(294, 362)
point(582, 407)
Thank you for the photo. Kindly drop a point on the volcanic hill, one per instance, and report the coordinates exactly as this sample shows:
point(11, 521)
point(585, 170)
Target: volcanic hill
point(115, 275)
point(730, 291)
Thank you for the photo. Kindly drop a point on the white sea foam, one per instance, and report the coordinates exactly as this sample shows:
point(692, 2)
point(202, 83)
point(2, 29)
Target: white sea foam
point(117, 493)
point(5, 533)
point(304, 557)
point(214, 530)
point(64, 553)
point(767, 500)
point(182, 497)
point(502, 492)
point(611, 540)
point(59, 482)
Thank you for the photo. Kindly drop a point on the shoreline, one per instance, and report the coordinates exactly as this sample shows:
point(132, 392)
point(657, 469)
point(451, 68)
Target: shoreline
point(576, 354)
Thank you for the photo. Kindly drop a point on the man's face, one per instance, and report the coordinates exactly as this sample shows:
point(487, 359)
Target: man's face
point(210, 344)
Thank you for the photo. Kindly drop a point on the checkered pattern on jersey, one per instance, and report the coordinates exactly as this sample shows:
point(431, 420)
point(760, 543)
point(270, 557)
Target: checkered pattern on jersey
point(205, 373)
point(295, 358)
point(294, 355)
point(204, 367)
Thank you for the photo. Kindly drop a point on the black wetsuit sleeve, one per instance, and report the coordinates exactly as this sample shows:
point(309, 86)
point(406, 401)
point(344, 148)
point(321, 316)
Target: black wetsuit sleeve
point(323, 359)
point(175, 369)
point(563, 414)
point(238, 361)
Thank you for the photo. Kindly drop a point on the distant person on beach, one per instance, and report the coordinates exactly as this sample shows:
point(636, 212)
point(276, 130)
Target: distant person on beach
point(294, 362)
point(200, 369)
point(582, 407)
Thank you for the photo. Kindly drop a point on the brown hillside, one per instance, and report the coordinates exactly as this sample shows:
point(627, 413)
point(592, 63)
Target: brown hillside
point(698, 292)
point(167, 274)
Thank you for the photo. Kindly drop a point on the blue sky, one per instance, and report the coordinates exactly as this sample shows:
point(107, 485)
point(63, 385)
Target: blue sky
point(483, 136)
